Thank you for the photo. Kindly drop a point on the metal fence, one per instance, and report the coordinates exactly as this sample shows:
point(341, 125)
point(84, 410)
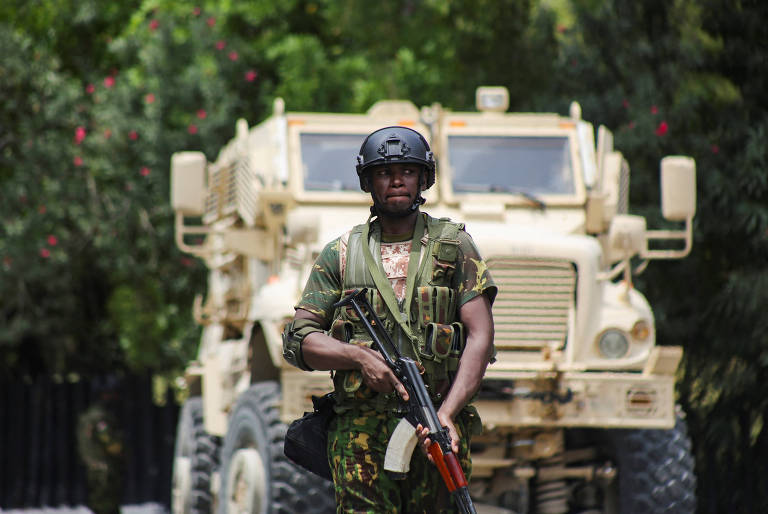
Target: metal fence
point(39, 460)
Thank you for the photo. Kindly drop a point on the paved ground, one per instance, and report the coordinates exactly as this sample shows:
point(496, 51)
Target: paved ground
point(146, 508)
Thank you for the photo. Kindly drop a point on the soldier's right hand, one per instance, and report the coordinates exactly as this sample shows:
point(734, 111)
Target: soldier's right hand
point(377, 375)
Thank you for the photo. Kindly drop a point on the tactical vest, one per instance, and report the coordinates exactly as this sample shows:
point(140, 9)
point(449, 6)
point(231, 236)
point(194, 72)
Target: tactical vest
point(428, 330)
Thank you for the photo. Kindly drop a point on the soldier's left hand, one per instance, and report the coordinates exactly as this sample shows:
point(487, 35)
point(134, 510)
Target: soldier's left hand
point(425, 442)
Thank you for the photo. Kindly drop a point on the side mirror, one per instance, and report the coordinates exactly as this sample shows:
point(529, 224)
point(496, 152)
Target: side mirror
point(188, 183)
point(678, 188)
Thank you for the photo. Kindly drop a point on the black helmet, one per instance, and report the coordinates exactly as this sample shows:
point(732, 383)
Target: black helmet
point(395, 145)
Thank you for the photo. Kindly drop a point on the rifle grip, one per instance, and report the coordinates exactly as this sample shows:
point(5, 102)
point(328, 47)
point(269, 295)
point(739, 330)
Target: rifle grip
point(397, 459)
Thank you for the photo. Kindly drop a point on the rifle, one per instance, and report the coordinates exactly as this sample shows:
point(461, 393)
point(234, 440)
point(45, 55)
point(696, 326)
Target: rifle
point(420, 410)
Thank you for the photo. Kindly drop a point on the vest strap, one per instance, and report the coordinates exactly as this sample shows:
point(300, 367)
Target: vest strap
point(385, 287)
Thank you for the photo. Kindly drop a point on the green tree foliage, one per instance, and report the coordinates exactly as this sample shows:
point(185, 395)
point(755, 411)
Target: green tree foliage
point(689, 77)
point(97, 95)
point(100, 95)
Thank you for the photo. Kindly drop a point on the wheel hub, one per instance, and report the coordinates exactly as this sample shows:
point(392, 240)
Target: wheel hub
point(246, 491)
point(182, 484)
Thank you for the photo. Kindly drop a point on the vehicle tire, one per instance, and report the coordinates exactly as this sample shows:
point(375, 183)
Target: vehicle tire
point(195, 460)
point(256, 477)
point(655, 470)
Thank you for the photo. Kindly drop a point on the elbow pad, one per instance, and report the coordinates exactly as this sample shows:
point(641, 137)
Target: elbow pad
point(293, 335)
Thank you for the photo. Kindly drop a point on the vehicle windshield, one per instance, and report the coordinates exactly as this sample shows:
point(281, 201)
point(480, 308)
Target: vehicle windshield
point(511, 164)
point(328, 161)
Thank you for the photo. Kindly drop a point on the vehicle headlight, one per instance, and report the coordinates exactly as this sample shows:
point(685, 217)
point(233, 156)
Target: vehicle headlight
point(613, 344)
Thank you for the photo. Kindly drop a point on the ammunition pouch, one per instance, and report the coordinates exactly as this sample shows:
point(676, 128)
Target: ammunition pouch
point(438, 340)
point(457, 346)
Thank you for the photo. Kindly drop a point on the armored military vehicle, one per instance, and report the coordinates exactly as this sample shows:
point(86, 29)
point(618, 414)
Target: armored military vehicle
point(578, 408)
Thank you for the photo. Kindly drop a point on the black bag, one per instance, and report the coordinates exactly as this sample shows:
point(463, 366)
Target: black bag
point(306, 441)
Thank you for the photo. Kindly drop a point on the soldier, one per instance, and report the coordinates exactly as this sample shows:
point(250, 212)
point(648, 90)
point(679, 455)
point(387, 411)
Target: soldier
point(100, 445)
point(428, 283)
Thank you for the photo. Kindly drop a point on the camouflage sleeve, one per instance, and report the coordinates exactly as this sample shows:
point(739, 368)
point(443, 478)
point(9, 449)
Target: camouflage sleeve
point(472, 273)
point(323, 287)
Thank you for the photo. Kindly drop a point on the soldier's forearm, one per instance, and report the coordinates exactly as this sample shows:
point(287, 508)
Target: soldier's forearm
point(469, 375)
point(478, 320)
point(323, 352)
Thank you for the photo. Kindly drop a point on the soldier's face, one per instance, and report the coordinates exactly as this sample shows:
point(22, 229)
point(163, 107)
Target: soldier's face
point(395, 187)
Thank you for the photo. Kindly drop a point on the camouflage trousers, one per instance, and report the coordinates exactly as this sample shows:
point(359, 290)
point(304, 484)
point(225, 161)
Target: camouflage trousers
point(357, 443)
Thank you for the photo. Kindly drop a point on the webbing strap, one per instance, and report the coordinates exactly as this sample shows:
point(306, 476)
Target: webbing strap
point(383, 284)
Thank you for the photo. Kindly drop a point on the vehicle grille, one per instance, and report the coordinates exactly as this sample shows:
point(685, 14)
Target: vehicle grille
point(532, 307)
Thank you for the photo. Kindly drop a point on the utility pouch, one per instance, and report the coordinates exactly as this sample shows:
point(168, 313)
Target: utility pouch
point(438, 340)
point(341, 330)
point(374, 298)
point(349, 381)
point(306, 441)
point(445, 252)
point(347, 311)
point(472, 420)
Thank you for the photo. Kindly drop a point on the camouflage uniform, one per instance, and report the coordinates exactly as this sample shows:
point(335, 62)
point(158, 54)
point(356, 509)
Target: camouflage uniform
point(359, 433)
point(100, 444)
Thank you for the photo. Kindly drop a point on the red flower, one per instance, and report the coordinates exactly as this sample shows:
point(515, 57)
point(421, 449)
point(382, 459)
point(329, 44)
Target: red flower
point(201, 114)
point(150, 98)
point(153, 25)
point(107, 133)
point(662, 129)
point(251, 75)
point(53, 240)
point(45, 253)
point(77, 161)
point(211, 21)
point(625, 103)
point(186, 262)
point(220, 44)
point(631, 125)
point(90, 88)
point(109, 82)
point(715, 149)
point(79, 135)
point(144, 171)
point(42, 209)
point(192, 129)
point(654, 109)
point(196, 11)
point(133, 135)
point(233, 55)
